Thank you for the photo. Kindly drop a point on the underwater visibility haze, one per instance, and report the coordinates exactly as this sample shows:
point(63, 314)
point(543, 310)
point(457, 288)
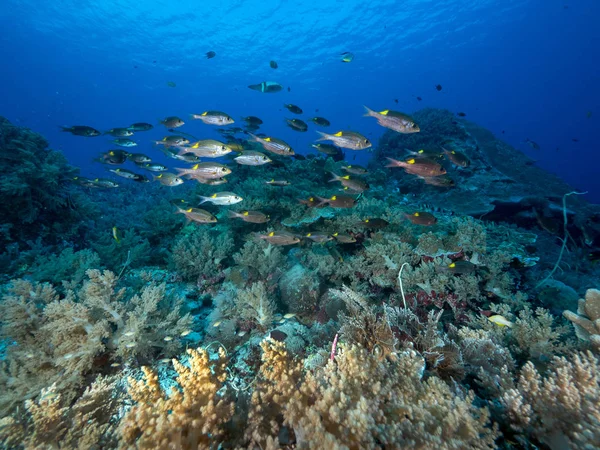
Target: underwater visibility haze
point(334, 224)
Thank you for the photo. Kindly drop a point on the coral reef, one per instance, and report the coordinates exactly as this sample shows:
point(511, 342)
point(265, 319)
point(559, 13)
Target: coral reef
point(64, 340)
point(587, 319)
point(374, 330)
point(190, 418)
point(36, 200)
point(560, 409)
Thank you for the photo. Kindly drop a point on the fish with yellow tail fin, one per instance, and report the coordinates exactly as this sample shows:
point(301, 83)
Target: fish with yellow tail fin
point(346, 139)
point(501, 321)
point(116, 234)
point(214, 118)
point(250, 216)
point(457, 158)
point(394, 120)
point(222, 198)
point(337, 201)
point(421, 218)
point(197, 215)
point(274, 145)
point(422, 167)
point(280, 238)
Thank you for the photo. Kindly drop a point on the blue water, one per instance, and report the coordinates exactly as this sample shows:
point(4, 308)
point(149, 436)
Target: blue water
point(524, 69)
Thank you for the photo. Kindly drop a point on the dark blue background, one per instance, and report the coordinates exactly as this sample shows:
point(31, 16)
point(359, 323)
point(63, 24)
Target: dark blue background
point(528, 68)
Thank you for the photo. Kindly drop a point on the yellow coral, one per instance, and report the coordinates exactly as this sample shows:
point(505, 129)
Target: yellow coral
point(560, 410)
point(192, 417)
point(360, 401)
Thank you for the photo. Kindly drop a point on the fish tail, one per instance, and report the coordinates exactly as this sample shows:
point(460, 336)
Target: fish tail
point(181, 172)
point(65, 128)
point(203, 199)
point(322, 201)
point(335, 177)
point(255, 137)
point(369, 113)
point(323, 136)
point(233, 214)
point(393, 163)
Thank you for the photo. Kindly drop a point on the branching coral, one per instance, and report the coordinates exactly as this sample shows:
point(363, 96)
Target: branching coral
point(361, 401)
point(68, 267)
point(61, 340)
point(49, 421)
point(561, 409)
point(192, 416)
point(587, 320)
point(199, 255)
point(362, 326)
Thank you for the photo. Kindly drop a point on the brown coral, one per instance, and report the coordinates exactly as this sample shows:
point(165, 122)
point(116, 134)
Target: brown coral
point(361, 401)
point(560, 410)
point(64, 340)
point(192, 417)
point(587, 319)
point(48, 421)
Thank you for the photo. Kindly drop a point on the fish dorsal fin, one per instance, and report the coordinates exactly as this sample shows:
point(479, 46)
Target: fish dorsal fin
point(384, 112)
point(272, 233)
point(196, 145)
point(312, 199)
point(335, 234)
point(97, 179)
point(411, 161)
point(204, 113)
point(338, 134)
point(268, 139)
point(188, 210)
point(366, 220)
point(309, 235)
point(195, 166)
point(213, 196)
point(421, 151)
point(272, 180)
point(245, 213)
point(416, 214)
point(334, 197)
point(452, 266)
point(346, 177)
